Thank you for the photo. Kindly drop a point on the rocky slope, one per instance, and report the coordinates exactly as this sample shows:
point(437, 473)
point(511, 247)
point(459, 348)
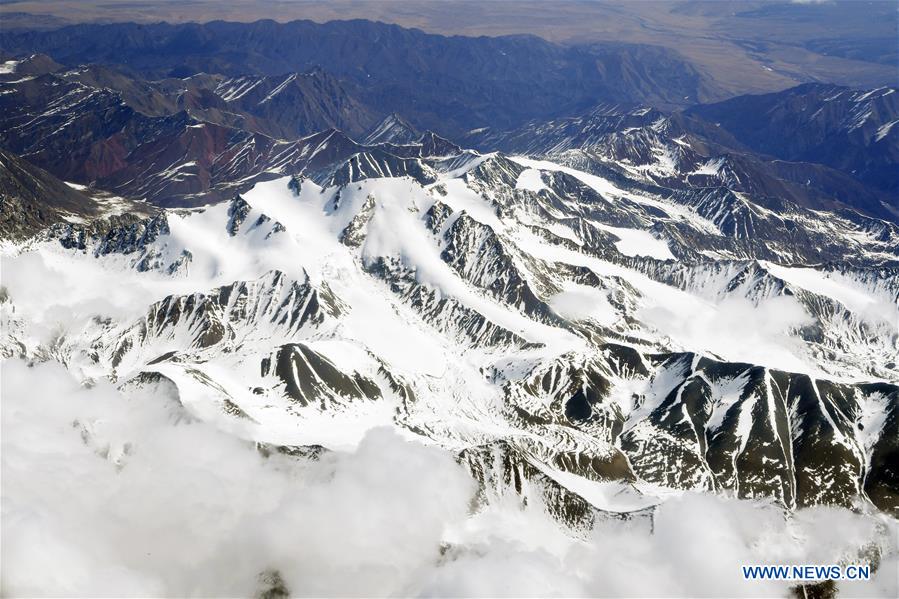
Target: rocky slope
point(32, 199)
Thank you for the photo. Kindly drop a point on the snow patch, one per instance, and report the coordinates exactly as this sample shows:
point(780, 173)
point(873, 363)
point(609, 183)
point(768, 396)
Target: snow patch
point(634, 242)
point(9, 67)
point(530, 180)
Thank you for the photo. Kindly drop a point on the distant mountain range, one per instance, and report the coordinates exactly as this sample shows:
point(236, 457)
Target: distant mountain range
point(449, 84)
point(94, 125)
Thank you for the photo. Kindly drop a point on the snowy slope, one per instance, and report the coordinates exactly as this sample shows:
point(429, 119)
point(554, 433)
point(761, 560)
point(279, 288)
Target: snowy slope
point(575, 340)
point(478, 300)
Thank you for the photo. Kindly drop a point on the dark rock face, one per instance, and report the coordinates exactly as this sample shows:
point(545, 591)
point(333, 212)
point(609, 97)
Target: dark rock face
point(188, 142)
point(377, 163)
point(226, 316)
point(310, 378)
point(882, 480)
point(293, 105)
point(32, 199)
point(128, 234)
point(237, 214)
point(502, 468)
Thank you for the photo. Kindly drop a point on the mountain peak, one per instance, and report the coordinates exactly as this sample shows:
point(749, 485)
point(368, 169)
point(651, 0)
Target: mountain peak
point(392, 129)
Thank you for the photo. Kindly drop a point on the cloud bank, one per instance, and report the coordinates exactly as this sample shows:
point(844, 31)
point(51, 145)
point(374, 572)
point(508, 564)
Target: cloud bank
point(108, 493)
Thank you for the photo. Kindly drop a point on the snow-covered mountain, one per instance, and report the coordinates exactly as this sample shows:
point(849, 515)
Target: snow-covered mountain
point(597, 333)
point(349, 309)
point(578, 331)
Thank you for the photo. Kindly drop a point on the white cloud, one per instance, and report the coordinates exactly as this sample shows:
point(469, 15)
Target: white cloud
point(579, 302)
point(737, 329)
point(106, 494)
point(697, 545)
